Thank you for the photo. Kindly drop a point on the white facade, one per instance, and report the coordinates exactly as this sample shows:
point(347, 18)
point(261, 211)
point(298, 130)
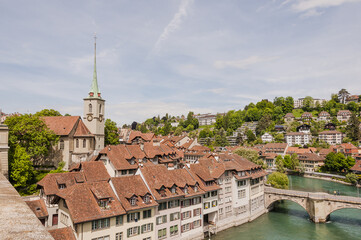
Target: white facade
point(298, 138)
point(267, 137)
point(331, 137)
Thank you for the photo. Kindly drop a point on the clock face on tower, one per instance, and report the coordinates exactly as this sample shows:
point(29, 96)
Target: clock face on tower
point(90, 118)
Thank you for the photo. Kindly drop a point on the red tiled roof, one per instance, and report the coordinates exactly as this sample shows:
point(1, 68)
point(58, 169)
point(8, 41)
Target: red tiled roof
point(61, 125)
point(357, 166)
point(132, 186)
point(83, 205)
point(145, 136)
point(82, 130)
point(329, 132)
point(65, 233)
point(38, 207)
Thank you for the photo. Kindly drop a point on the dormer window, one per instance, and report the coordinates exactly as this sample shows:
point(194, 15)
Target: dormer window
point(146, 199)
point(133, 201)
point(196, 188)
point(61, 186)
point(173, 190)
point(103, 203)
point(186, 190)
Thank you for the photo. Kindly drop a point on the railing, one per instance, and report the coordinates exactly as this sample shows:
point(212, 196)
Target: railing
point(321, 196)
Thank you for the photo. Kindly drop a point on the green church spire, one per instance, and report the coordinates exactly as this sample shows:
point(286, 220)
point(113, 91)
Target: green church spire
point(94, 91)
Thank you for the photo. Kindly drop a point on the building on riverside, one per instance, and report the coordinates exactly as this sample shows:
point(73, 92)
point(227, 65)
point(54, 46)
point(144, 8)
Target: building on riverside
point(153, 202)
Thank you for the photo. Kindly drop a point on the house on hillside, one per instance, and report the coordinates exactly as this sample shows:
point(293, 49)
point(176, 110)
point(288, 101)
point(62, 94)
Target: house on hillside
point(343, 115)
point(330, 137)
point(267, 137)
point(298, 138)
point(306, 116)
point(324, 116)
point(289, 117)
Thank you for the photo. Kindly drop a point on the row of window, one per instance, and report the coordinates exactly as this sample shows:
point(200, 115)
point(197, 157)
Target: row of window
point(170, 204)
point(189, 226)
point(207, 205)
point(139, 229)
point(189, 202)
point(173, 230)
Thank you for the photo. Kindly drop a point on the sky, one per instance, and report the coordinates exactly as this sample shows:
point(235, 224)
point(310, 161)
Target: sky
point(175, 56)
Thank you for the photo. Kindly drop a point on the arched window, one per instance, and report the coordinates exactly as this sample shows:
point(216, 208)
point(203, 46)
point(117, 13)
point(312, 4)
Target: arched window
point(100, 108)
point(62, 144)
point(77, 143)
point(84, 143)
point(90, 107)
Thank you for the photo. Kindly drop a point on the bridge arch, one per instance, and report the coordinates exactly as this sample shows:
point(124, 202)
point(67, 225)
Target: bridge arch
point(339, 207)
point(271, 199)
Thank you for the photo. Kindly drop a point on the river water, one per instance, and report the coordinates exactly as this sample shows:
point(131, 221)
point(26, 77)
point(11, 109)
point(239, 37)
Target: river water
point(290, 221)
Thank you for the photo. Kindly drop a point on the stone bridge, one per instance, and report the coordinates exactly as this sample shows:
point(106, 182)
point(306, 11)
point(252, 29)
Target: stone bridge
point(319, 206)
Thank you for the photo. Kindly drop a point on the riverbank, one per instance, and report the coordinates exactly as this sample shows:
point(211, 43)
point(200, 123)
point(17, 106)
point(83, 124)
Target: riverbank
point(327, 179)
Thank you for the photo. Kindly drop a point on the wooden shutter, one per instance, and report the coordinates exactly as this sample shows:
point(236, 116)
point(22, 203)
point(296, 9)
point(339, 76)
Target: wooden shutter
point(182, 203)
point(151, 226)
point(138, 213)
point(171, 217)
point(194, 212)
point(190, 214)
point(181, 216)
point(128, 232)
point(138, 229)
point(142, 229)
point(128, 218)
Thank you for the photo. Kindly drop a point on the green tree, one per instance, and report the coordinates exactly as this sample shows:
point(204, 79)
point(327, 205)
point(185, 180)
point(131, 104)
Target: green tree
point(351, 178)
point(353, 128)
point(22, 171)
point(287, 162)
point(250, 136)
point(308, 104)
point(263, 124)
point(337, 162)
point(30, 132)
point(279, 164)
point(47, 112)
point(279, 138)
point(278, 180)
point(178, 131)
point(342, 95)
point(221, 138)
point(111, 133)
point(288, 105)
point(353, 107)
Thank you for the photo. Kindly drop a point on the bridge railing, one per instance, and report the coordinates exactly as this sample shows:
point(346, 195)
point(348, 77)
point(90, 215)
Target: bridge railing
point(321, 196)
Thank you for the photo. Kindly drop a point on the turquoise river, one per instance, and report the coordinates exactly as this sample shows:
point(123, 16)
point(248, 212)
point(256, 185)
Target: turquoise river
point(290, 221)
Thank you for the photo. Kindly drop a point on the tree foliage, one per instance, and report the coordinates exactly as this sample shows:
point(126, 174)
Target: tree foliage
point(48, 112)
point(111, 133)
point(278, 180)
point(30, 141)
point(337, 162)
point(353, 128)
point(351, 178)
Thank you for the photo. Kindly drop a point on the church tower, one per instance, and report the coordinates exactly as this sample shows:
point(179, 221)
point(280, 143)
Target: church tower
point(94, 109)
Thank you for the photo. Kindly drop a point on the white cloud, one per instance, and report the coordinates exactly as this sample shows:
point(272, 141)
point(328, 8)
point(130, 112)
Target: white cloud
point(243, 63)
point(311, 6)
point(174, 24)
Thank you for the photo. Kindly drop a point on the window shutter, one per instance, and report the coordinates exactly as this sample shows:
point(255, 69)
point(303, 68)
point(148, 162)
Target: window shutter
point(142, 228)
point(128, 218)
point(182, 203)
point(168, 204)
point(138, 229)
point(191, 225)
point(190, 214)
point(151, 226)
point(194, 212)
point(138, 213)
point(128, 232)
point(200, 222)
point(171, 217)
point(144, 214)
point(182, 216)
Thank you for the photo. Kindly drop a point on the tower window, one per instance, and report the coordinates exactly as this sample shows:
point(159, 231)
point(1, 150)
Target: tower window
point(90, 107)
point(100, 108)
point(77, 143)
point(84, 143)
